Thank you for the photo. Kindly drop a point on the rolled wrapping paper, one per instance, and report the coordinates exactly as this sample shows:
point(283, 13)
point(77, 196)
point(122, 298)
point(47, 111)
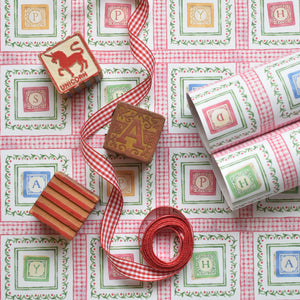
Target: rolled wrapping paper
point(247, 105)
point(250, 123)
point(259, 168)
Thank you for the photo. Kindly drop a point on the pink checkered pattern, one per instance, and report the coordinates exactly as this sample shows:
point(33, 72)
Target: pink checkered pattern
point(246, 222)
point(261, 99)
point(285, 161)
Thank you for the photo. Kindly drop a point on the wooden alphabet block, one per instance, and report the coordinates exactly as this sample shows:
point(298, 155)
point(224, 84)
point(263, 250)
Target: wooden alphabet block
point(64, 205)
point(71, 65)
point(134, 132)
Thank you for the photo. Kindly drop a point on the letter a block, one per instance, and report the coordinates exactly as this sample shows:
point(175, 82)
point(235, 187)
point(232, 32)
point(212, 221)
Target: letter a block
point(64, 205)
point(134, 132)
point(71, 65)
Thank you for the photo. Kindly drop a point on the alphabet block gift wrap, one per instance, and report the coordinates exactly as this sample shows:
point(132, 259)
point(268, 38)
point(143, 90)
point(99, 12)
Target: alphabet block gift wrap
point(250, 124)
point(71, 65)
point(64, 205)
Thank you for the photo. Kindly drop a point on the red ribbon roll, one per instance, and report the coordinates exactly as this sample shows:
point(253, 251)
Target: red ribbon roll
point(161, 219)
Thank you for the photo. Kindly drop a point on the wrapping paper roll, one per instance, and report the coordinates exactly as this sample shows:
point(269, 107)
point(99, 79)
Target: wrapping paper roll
point(250, 123)
point(247, 105)
point(260, 168)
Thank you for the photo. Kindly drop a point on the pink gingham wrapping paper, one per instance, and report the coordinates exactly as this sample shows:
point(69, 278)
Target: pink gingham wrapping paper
point(240, 245)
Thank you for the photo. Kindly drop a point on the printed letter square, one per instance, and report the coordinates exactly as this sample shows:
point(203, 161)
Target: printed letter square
point(205, 265)
point(35, 16)
point(281, 14)
point(35, 99)
point(200, 14)
point(112, 92)
point(36, 268)
point(243, 181)
point(117, 15)
point(295, 83)
point(202, 182)
point(288, 263)
point(134, 132)
point(34, 182)
point(126, 181)
point(220, 117)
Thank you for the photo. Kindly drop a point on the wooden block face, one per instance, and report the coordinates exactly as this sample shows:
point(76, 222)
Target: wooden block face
point(64, 205)
point(71, 65)
point(52, 222)
point(134, 132)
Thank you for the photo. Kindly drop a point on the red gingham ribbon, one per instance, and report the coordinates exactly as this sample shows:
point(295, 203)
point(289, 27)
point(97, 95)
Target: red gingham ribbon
point(104, 168)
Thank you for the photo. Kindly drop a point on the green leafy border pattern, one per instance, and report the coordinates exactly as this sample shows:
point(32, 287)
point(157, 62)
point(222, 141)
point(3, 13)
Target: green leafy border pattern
point(175, 181)
point(175, 85)
point(233, 268)
point(92, 280)
point(40, 240)
point(251, 116)
point(7, 29)
point(106, 73)
point(255, 39)
point(202, 41)
point(268, 161)
point(8, 98)
point(273, 82)
point(147, 198)
point(285, 208)
point(261, 266)
point(113, 43)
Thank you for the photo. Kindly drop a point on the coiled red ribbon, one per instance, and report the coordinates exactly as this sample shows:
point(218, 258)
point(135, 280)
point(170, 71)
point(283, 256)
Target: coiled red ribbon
point(104, 168)
point(161, 219)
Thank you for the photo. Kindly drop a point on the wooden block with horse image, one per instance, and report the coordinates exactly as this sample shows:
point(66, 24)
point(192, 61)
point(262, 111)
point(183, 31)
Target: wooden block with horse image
point(71, 65)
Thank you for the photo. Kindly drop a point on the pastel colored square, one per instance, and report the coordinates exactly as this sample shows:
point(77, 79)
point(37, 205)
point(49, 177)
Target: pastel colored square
point(106, 24)
point(112, 273)
point(126, 181)
point(294, 79)
point(117, 15)
point(288, 263)
point(281, 14)
point(276, 264)
point(243, 181)
point(36, 268)
point(36, 98)
point(213, 271)
point(220, 117)
point(205, 265)
point(185, 79)
point(35, 16)
point(205, 24)
point(112, 92)
point(193, 187)
point(200, 14)
point(202, 182)
point(34, 182)
point(195, 86)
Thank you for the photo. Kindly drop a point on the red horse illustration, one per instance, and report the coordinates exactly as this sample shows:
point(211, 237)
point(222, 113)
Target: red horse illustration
point(66, 62)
